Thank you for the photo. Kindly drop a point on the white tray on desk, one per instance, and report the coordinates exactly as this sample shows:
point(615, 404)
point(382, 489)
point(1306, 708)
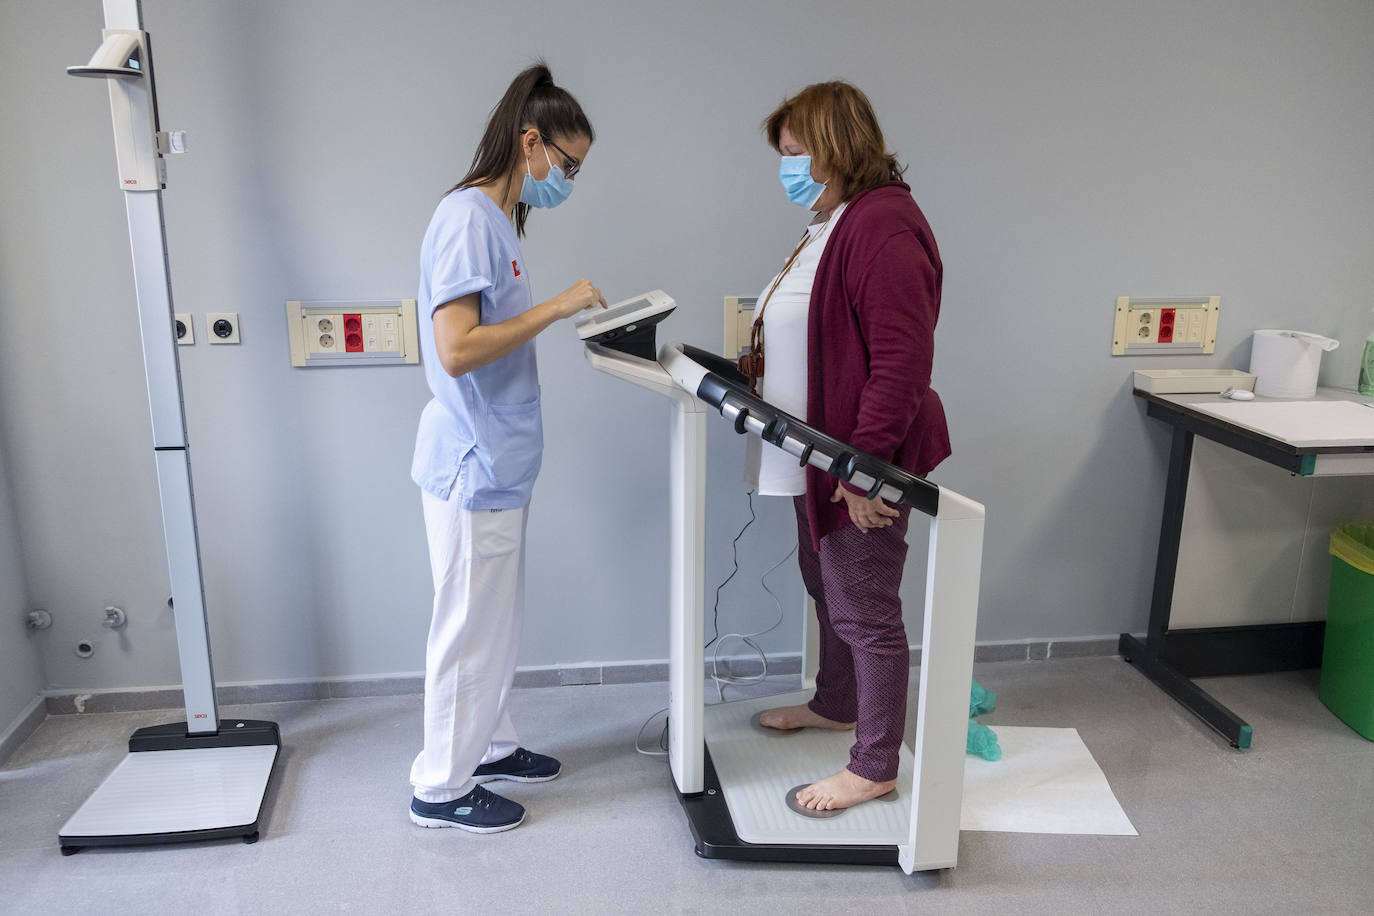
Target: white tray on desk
point(1192, 381)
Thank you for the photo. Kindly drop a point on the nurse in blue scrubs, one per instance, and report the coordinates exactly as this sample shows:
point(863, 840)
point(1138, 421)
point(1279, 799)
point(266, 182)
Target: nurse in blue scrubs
point(479, 446)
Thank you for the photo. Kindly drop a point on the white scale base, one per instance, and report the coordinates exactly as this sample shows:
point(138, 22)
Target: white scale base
point(154, 794)
point(756, 770)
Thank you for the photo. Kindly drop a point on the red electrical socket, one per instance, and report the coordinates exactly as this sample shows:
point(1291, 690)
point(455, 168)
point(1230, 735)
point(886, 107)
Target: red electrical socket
point(1166, 325)
point(353, 333)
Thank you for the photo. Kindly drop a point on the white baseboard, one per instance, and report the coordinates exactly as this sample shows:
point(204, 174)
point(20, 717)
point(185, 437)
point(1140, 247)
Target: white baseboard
point(19, 730)
point(69, 701)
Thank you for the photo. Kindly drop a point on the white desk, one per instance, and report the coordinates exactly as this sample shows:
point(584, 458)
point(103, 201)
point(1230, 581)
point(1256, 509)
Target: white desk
point(1333, 432)
point(1327, 435)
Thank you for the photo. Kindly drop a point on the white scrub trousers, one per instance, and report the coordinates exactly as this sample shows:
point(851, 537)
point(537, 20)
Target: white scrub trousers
point(478, 562)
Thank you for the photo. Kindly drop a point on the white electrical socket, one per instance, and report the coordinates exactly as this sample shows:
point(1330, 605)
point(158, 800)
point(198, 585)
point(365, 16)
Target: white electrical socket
point(186, 330)
point(324, 333)
point(213, 328)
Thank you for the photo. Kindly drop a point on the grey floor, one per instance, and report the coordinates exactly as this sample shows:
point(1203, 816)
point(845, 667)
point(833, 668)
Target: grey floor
point(1287, 827)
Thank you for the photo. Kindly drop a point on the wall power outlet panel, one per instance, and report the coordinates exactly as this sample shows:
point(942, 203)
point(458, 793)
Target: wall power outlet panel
point(739, 319)
point(369, 332)
point(1152, 327)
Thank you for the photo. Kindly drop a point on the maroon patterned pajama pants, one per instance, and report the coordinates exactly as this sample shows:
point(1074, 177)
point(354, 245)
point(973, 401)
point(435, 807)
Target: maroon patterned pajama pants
point(864, 659)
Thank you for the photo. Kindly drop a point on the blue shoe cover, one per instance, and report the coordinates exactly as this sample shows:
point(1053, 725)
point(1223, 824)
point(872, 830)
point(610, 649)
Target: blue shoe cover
point(981, 700)
point(982, 741)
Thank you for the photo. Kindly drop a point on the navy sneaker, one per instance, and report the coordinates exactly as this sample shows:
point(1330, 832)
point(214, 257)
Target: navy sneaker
point(479, 811)
point(522, 766)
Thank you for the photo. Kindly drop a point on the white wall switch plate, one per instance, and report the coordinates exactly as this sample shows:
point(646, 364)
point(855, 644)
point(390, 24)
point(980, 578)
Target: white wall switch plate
point(185, 329)
point(739, 320)
point(222, 327)
point(1151, 327)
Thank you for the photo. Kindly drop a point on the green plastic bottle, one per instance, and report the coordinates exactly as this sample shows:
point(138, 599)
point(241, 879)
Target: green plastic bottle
point(1367, 366)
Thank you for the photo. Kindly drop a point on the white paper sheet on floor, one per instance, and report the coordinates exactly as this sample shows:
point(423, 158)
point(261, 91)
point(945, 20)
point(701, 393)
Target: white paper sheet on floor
point(1046, 782)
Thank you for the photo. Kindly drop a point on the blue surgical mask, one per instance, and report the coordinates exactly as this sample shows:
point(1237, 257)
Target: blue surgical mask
point(550, 192)
point(795, 174)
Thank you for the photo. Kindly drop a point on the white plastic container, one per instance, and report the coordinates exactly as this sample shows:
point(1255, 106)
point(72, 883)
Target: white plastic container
point(1285, 363)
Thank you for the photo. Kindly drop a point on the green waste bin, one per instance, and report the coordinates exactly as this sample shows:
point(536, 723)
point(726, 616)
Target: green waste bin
point(1347, 683)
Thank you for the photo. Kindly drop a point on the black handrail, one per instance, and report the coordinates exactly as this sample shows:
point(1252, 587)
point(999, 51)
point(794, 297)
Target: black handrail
point(725, 388)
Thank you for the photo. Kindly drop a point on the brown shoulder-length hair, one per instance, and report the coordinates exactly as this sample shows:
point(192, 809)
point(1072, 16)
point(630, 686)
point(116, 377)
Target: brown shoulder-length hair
point(836, 124)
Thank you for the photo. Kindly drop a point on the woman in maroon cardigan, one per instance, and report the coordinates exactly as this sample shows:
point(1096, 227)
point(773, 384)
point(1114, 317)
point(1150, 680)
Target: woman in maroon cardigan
point(869, 337)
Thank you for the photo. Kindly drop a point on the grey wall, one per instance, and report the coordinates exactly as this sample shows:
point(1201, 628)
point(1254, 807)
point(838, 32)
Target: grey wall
point(1065, 154)
point(21, 679)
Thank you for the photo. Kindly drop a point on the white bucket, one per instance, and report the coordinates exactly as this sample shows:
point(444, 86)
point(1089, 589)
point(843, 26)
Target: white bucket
point(1285, 363)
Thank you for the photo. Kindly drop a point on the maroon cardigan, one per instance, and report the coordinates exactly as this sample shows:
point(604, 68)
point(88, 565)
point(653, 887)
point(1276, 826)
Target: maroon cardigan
point(871, 341)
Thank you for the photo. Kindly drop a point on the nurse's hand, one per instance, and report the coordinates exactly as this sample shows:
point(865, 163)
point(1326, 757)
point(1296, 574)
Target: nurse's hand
point(581, 295)
point(865, 513)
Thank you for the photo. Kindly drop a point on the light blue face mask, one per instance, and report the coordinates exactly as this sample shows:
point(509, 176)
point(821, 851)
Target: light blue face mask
point(550, 192)
point(795, 174)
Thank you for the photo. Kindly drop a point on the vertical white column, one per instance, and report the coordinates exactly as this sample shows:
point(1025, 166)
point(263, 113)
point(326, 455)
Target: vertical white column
point(155, 320)
point(188, 595)
point(954, 561)
point(156, 324)
point(123, 14)
point(686, 652)
point(134, 113)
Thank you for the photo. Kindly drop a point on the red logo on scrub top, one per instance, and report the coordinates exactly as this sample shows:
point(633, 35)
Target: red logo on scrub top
point(515, 267)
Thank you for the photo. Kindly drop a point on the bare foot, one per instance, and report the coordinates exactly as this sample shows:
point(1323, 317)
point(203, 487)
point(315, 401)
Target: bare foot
point(786, 718)
point(843, 790)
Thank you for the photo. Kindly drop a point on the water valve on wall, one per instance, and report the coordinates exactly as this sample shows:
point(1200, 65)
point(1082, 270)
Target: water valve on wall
point(114, 618)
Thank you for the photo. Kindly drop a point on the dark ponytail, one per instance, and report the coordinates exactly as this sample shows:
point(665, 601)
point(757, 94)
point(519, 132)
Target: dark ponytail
point(531, 101)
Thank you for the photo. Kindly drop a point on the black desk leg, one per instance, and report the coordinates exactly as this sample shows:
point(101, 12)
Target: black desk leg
point(1149, 656)
point(1198, 701)
point(1170, 535)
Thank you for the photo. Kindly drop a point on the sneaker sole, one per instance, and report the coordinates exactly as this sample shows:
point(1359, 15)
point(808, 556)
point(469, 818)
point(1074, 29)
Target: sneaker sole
point(485, 779)
point(421, 821)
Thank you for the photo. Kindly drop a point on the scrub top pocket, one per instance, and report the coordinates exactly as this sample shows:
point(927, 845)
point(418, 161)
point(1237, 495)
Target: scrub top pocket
point(515, 442)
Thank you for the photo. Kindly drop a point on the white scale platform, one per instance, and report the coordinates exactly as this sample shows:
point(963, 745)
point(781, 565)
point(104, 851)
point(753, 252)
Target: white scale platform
point(160, 792)
point(756, 770)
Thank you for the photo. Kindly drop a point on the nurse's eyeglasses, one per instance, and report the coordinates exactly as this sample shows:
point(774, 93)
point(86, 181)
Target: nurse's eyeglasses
point(571, 164)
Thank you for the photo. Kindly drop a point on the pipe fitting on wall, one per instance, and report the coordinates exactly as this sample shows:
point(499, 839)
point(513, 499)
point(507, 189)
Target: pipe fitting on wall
point(38, 619)
point(114, 618)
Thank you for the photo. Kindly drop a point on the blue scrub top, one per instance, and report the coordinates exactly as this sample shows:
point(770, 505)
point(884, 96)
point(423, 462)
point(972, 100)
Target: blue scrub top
point(481, 435)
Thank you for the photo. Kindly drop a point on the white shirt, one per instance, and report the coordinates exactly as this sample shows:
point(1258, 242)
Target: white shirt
point(769, 470)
